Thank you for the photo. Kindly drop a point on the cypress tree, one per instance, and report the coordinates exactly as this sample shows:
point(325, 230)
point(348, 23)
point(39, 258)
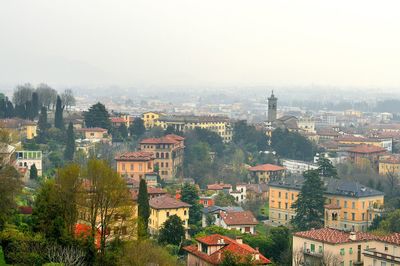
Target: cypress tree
point(42, 123)
point(3, 108)
point(70, 145)
point(10, 111)
point(29, 110)
point(35, 104)
point(143, 209)
point(309, 205)
point(58, 117)
point(33, 174)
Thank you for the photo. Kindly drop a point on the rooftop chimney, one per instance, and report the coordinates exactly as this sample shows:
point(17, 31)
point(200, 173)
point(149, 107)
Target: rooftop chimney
point(239, 240)
point(353, 236)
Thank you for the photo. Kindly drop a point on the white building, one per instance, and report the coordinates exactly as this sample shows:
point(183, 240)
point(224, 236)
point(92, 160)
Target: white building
point(243, 221)
point(298, 167)
point(239, 194)
point(25, 160)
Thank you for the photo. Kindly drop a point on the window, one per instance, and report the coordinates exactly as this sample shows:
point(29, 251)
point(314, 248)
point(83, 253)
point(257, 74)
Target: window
point(286, 205)
point(279, 195)
point(292, 196)
point(345, 203)
point(338, 203)
point(353, 216)
point(353, 205)
point(140, 167)
point(350, 250)
point(123, 167)
point(279, 204)
point(132, 167)
point(167, 214)
point(363, 216)
point(184, 212)
point(204, 248)
point(351, 263)
point(286, 195)
point(312, 247)
point(166, 164)
point(345, 215)
point(342, 251)
point(286, 217)
point(363, 204)
point(320, 249)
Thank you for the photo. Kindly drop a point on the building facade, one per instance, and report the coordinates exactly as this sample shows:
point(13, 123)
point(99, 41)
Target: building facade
point(263, 173)
point(168, 154)
point(25, 160)
point(135, 164)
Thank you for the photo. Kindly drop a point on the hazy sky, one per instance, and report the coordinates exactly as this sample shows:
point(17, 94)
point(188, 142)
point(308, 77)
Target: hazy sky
point(200, 43)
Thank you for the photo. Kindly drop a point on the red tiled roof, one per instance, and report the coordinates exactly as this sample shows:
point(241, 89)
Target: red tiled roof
point(166, 202)
point(266, 167)
point(219, 186)
point(352, 138)
point(155, 190)
point(91, 129)
point(135, 156)
point(239, 218)
point(228, 244)
point(391, 239)
point(367, 149)
point(168, 139)
point(117, 120)
point(333, 236)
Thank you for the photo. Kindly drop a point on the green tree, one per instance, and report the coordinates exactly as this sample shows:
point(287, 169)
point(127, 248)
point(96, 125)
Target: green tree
point(190, 195)
point(143, 209)
point(22, 94)
point(325, 168)
point(137, 129)
point(33, 173)
point(248, 137)
point(197, 161)
point(35, 104)
point(97, 116)
point(225, 200)
point(58, 116)
point(391, 223)
point(206, 136)
point(10, 186)
point(43, 125)
point(309, 205)
point(292, 145)
point(172, 231)
point(70, 143)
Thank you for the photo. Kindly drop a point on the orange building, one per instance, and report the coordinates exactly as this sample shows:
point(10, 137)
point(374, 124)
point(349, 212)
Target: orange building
point(366, 155)
point(135, 164)
point(167, 152)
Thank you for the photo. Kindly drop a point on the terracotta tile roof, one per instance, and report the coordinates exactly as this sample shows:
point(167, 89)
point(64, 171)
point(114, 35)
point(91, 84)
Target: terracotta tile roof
point(333, 236)
point(91, 129)
point(219, 186)
point(162, 140)
point(135, 156)
point(155, 190)
point(346, 138)
point(266, 168)
point(166, 202)
point(239, 218)
point(363, 148)
point(391, 239)
point(228, 244)
point(117, 120)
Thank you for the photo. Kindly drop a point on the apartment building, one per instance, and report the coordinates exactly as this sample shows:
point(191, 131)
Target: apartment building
point(263, 173)
point(135, 164)
point(297, 167)
point(349, 206)
point(164, 206)
point(25, 160)
point(168, 154)
point(328, 246)
point(218, 124)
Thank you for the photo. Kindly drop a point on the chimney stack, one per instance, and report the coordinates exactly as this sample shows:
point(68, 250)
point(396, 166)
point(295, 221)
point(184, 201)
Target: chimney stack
point(239, 240)
point(353, 236)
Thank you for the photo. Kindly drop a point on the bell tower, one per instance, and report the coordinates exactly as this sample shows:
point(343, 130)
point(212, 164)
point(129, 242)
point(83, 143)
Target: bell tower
point(272, 107)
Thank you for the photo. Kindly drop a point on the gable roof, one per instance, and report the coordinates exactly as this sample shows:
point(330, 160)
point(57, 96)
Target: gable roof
point(266, 167)
point(334, 236)
point(167, 139)
point(227, 244)
point(239, 218)
point(167, 202)
point(220, 186)
point(91, 129)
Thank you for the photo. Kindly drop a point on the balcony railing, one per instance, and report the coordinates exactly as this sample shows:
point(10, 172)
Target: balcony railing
point(381, 255)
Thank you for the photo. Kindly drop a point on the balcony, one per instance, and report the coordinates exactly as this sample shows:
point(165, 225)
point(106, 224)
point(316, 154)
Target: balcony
point(372, 253)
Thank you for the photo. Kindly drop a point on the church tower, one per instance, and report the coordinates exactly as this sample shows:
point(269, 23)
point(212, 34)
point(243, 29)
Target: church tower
point(272, 107)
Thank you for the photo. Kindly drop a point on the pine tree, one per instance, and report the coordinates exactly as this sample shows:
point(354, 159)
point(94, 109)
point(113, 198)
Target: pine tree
point(190, 195)
point(35, 104)
point(70, 145)
point(326, 168)
point(143, 209)
point(309, 205)
point(58, 117)
point(172, 231)
point(137, 129)
point(97, 116)
point(33, 173)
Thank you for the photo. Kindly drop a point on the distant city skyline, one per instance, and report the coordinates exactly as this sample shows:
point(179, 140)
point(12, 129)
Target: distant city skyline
point(190, 44)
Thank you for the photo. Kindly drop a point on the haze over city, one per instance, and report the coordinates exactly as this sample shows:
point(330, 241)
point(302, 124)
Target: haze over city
point(200, 44)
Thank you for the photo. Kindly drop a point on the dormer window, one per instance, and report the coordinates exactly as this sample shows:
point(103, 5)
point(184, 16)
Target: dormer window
point(204, 248)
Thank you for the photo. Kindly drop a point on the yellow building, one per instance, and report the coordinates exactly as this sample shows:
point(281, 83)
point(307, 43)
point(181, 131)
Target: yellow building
point(135, 164)
point(218, 124)
point(328, 246)
point(263, 173)
point(31, 130)
point(164, 206)
point(389, 165)
point(167, 152)
point(349, 206)
point(150, 118)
